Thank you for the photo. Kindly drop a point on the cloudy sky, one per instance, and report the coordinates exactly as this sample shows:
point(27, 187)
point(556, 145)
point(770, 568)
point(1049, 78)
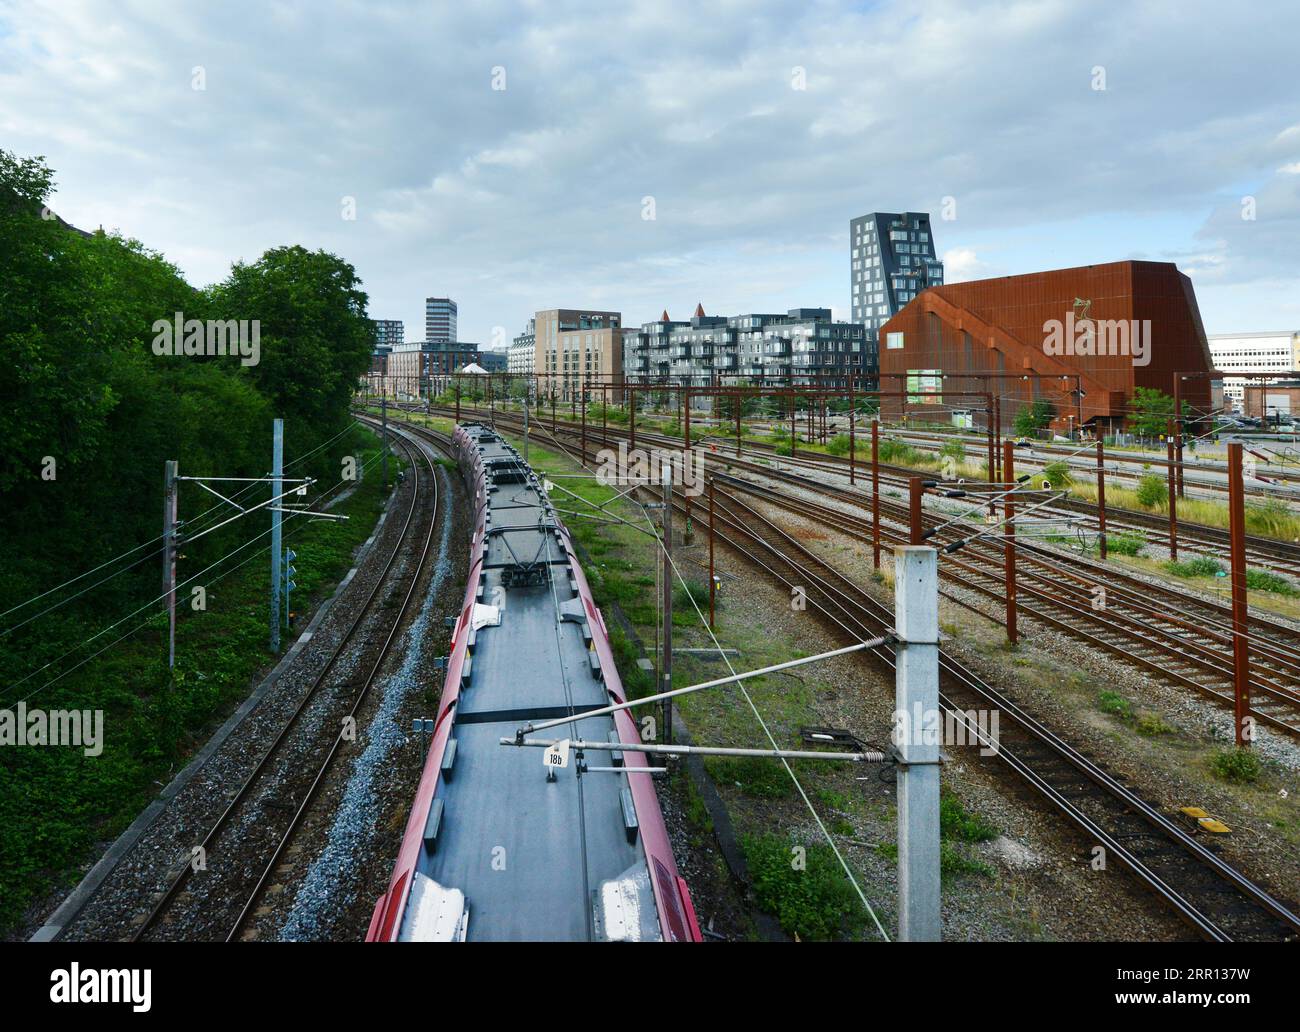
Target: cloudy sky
point(751, 132)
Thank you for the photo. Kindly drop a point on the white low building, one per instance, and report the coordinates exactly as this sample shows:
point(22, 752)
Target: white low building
point(1255, 354)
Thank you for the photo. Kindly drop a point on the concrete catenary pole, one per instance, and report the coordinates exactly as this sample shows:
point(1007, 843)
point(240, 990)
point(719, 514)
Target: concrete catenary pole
point(916, 699)
point(277, 488)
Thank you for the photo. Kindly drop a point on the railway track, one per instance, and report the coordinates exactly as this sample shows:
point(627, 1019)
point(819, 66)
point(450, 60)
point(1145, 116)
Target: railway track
point(263, 814)
point(1194, 539)
point(1217, 901)
point(1213, 898)
point(1182, 639)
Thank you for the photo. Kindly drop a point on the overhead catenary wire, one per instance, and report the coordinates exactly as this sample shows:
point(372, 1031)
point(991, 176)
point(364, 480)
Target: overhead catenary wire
point(154, 602)
point(193, 523)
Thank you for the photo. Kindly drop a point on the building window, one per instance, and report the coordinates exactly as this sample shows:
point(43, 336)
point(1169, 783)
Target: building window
point(894, 340)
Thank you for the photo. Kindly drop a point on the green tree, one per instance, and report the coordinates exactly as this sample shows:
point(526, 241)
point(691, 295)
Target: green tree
point(316, 338)
point(1034, 417)
point(1151, 410)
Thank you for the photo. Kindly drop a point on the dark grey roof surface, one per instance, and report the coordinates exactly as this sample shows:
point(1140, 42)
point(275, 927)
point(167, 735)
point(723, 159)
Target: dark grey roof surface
point(528, 853)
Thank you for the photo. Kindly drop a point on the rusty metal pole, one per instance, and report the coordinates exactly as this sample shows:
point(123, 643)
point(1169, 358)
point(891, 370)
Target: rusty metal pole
point(457, 393)
point(1178, 422)
point(1240, 622)
point(684, 400)
point(584, 422)
point(712, 579)
point(1173, 492)
point(794, 429)
point(632, 418)
point(997, 436)
point(1101, 498)
point(875, 490)
point(852, 436)
point(1009, 538)
point(914, 493)
point(739, 404)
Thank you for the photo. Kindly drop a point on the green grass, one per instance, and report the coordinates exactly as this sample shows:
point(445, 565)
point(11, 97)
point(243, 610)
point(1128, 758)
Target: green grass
point(815, 903)
point(838, 445)
point(755, 776)
point(956, 824)
point(1115, 704)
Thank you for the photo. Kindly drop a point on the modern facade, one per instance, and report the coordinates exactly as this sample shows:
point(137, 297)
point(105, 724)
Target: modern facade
point(891, 259)
point(439, 320)
point(1253, 355)
point(563, 364)
point(413, 369)
point(523, 351)
point(803, 346)
point(388, 332)
point(1103, 330)
point(494, 361)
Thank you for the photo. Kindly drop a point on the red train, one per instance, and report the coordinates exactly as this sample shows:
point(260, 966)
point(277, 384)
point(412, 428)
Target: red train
point(499, 846)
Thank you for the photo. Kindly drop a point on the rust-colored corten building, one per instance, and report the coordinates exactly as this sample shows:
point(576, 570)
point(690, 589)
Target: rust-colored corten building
point(1104, 328)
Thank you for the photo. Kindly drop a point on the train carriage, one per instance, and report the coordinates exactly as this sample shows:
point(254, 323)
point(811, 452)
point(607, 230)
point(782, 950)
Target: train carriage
point(498, 847)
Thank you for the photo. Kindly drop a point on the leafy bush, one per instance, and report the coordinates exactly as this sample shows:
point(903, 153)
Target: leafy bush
point(1240, 766)
point(1057, 474)
point(953, 450)
point(1125, 544)
point(783, 449)
point(838, 445)
point(1152, 491)
point(1201, 566)
point(894, 451)
point(816, 903)
point(1264, 580)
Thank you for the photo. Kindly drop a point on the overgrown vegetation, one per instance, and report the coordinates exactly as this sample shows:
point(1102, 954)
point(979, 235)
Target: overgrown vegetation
point(92, 413)
point(1125, 544)
point(804, 886)
point(1152, 491)
point(1034, 418)
point(1240, 766)
point(1201, 566)
point(1057, 474)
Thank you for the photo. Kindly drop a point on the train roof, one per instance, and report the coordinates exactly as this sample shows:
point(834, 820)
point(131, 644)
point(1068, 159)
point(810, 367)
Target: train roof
point(499, 850)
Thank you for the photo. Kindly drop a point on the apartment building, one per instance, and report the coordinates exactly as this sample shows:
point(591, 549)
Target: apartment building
point(439, 320)
point(802, 346)
point(572, 346)
point(892, 258)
